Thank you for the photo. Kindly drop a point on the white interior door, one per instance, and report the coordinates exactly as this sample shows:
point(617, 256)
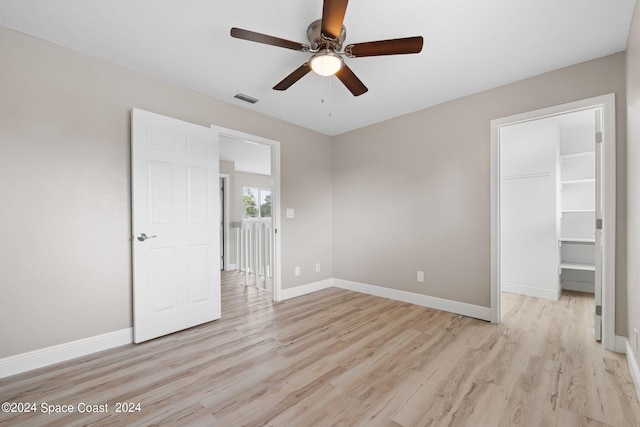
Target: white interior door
point(599, 232)
point(176, 282)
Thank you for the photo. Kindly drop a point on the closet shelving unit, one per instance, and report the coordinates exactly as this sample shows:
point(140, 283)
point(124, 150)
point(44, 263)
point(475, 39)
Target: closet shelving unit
point(577, 202)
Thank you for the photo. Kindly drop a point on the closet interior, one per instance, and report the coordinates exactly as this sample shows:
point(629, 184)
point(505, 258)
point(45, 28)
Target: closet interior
point(548, 205)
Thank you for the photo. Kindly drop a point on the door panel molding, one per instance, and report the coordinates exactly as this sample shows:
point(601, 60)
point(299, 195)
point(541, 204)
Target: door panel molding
point(174, 185)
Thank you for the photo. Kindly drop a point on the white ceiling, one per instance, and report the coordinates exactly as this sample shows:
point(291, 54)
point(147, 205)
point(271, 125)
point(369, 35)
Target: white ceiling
point(470, 46)
point(248, 156)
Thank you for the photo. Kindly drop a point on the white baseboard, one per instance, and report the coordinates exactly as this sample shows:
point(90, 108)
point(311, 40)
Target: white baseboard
point(531, 291)
point(19, 363)
point(298, 291)
point(465, 309)
point(572, 285)
point(634, 369)
point(620, 344)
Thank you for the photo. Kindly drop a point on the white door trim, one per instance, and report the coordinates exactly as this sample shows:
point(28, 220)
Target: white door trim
point(225, 219)
point(607, 103)
point(275, 209)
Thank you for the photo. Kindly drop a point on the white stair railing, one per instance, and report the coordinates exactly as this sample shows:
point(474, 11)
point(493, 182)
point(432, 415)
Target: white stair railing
point(254, 253)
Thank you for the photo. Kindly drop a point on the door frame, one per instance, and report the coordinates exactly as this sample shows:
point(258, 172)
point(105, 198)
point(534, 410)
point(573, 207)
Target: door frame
point(607, 104)
point(275, 197)
point(225, 220)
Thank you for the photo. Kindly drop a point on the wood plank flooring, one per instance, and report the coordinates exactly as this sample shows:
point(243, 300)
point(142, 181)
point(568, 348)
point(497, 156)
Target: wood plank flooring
point(342, 358)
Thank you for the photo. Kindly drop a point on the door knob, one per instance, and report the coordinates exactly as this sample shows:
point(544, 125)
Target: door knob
point(142, 237)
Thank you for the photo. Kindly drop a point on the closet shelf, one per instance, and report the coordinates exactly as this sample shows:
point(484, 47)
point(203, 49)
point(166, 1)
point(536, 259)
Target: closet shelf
point(577, 266)
point(579, 181)
point(578, 210)
point(582, 154)
point(578, 239)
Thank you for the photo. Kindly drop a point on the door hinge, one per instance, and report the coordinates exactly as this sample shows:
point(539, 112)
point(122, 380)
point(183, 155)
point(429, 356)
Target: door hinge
point(598, 137)
point(599, 224)
point(598, 310)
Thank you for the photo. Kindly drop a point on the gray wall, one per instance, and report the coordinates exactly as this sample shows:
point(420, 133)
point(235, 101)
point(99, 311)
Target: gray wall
point(373, 206)
point(227, 167)
point(412, 193)
point(633, 179)
point(65, 255)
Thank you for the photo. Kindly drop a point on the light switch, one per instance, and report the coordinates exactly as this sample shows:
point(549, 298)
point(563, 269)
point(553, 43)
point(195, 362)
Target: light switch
point(291, 213)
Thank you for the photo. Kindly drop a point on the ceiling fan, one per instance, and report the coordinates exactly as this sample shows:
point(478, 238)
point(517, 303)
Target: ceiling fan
point(326, 36)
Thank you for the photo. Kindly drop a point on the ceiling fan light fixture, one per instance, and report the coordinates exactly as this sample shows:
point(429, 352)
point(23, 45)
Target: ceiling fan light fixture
point(326, 62)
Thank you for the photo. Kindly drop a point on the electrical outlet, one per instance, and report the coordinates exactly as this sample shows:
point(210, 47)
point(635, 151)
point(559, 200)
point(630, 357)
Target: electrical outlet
point(318, 268)
point(420, 276)
point(296, 271)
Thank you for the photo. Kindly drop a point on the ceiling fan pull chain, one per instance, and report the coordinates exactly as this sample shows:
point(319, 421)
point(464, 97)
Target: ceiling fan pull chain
point(327, 94)
point(330, 96)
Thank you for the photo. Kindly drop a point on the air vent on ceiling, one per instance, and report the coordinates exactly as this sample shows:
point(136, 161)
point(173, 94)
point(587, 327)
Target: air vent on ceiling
point(245, 98)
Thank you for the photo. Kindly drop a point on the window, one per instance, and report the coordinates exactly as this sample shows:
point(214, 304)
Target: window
point(256, 202)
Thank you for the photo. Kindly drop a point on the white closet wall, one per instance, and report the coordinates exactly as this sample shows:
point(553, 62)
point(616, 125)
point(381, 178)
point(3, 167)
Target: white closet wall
point(529, 154)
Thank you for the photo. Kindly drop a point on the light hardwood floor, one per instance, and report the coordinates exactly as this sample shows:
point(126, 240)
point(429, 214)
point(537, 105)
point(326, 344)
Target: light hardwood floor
point(342, 358)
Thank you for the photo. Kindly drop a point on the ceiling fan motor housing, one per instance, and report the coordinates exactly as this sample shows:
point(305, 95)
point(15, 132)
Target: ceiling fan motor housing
point(318, 41)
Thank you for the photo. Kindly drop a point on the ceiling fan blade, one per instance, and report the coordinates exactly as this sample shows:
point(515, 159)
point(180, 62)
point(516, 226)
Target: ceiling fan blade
point(239, 33)
point(385, 47)
point(351, 81)
point(332, 17)
point(299, 73)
